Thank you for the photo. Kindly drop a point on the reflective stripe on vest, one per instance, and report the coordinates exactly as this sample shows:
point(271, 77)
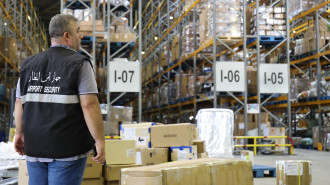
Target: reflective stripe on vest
point(50, 98)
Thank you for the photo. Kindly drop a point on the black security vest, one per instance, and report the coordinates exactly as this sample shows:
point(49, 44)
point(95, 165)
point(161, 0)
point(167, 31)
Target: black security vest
point(53, 121)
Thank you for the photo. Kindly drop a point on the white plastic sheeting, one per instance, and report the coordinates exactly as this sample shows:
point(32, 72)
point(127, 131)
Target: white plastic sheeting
point(216, 129)
point(8, 156)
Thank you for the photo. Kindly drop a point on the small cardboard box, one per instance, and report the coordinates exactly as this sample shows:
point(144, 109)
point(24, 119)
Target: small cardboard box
point(23, 176)
point(93, 170)
point(172, 135)
point(247, 155)
point(99, 181)
point(151, 156)
point(180, 153)
point(200, 145)
point(112, 172)
point(120, 151)
point(293, 173)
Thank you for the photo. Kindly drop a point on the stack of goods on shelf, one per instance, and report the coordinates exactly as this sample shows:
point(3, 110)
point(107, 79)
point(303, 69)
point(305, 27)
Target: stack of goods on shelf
point(168, 93)
point(316, 134)
point(198, 171)
point(311, 90)
point(183, 87)
point(188, 39)
point(175, 48)
point(308, 43)
point(228, 21)
point(11, 49)
point(271, 23)
point(118, 115)
point(80, 14)
point(156, 98)
point(275, 56)
point(165, 57)
point(252, 124)
point(293, 172)
point(86, 28)
point(251, 77)
point(300, 6)
point(122, 32)
point(297, 86)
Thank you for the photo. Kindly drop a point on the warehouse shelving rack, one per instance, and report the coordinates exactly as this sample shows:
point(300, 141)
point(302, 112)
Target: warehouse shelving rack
point(273, 103)
point(102, 55)
point(18, 20)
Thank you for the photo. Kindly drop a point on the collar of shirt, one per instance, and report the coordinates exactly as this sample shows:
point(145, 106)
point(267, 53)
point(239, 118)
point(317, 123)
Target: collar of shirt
point(63, 46)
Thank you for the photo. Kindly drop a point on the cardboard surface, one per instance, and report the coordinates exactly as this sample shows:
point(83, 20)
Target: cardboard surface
point(23, 176)
point(183, 153)
point(200, 145)
point(120, 151)
point(99, 181)
point(92, 169)
point(293, 173)
point(192, 172)
point(152, 156)
point(172, 135)
point(112, 172)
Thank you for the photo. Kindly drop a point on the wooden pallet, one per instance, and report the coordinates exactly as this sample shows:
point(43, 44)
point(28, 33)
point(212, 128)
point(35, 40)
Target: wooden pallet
point(260, 171)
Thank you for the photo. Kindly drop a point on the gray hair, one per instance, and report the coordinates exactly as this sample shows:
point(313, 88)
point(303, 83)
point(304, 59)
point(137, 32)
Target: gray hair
point(59, 24)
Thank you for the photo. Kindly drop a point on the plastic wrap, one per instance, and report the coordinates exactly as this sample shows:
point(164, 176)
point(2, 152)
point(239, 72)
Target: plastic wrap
point(216, 128)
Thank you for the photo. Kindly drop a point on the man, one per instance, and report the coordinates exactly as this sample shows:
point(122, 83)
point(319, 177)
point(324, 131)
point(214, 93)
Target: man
point(57, 113)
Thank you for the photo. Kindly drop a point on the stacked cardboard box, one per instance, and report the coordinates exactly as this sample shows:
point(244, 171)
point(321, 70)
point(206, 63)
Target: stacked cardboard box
point(112, 172)
point(119, 115)
point(175, 48)
point(188, 38)
point(299, 6)
point(120, 151)
point(11, 48)
point(251, 77)
point(86, 28)
point(269, 17)
point(152, 156)
point(228, 22)
point(293, 172)
point(168, 93)
point(251, 124)
point(93, 173)
point(276, 131)
point(184, 85)
point(193, 172)
point(179, 137)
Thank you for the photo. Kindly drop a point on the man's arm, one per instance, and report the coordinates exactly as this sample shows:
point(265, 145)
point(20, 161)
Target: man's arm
point(19, 136)
point(92, 114)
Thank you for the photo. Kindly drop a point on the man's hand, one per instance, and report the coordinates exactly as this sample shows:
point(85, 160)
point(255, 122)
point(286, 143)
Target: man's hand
point(19, 144)
point(100, 157)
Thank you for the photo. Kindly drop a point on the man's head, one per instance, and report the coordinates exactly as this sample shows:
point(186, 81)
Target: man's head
point(64, 29)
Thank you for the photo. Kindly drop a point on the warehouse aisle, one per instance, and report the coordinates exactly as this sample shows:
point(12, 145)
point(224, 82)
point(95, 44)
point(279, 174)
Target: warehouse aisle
point(320, 165)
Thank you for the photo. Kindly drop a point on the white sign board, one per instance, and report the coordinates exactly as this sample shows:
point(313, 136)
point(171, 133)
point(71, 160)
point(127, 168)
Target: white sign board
point(230, 76)
point(124, 76)
point(273, 78)
point(253, 108)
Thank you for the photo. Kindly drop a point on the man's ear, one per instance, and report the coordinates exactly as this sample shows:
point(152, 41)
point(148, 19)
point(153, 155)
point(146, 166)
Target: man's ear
point(66, 35)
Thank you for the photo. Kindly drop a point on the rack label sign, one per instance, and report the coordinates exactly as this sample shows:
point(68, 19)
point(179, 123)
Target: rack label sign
point(273, 78)
point(124, 77)
point(230, 76)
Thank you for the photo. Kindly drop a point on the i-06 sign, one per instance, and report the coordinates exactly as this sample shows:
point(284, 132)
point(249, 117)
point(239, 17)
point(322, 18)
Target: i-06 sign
point(124, 77)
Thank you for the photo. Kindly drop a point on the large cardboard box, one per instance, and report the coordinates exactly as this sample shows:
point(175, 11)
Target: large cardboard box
point(119, 115)
point(112, 172)
point(151, 156)
point(172, 135)
point(99, 181)
point(293, 173)
point(93, 170)
point(140, 134)
point(192, 172)
point(180, 153)
point(120, 152)
point(87, 26)
point(23, 176)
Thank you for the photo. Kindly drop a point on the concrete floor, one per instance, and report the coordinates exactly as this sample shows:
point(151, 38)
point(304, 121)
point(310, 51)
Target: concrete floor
point(320, 165)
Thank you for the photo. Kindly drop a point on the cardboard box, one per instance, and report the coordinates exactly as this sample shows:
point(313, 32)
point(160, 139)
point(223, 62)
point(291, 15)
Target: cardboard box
point(200, 145)
point(276, 131)
point(120, 152)
point(112, 172)
point(180, 153)
point(119, 115)
point(93, 170)
point(87, 26)
point(172, 135)
point(151, 156)
point(251, 73)
point(23, 176)
point(140, 134)
point(192, 172)
point(99, 181)
point(112, 183)
point(293, 173)
point(11, 48)
point(247, 155)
